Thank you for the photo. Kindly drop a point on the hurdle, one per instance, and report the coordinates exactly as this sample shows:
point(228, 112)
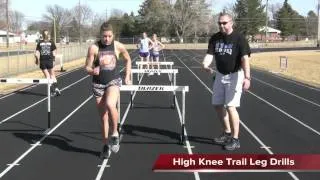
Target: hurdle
point(33, 81)
point(163, 71)
point(157, 88)
point(60, 56)
point(160, 63)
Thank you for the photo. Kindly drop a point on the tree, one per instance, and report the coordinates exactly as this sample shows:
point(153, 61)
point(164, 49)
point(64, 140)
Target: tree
point(16, 18)
point(153, 16)
point(184, 14)
point(250, 16)
point(312, 24)
point(290, 22)
point(62, 18)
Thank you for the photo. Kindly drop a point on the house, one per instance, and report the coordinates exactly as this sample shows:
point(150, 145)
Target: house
point(3, 37)
point(272, 34)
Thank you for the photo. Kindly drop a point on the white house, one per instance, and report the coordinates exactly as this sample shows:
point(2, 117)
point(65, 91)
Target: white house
point(3, 37)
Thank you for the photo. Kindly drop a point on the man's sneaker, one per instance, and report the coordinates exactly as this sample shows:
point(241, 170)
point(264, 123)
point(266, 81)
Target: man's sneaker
point(114, 144)
point(223, 139)
point(233, 144)
point(151, 74)
point(105, 153)
point(57, 91)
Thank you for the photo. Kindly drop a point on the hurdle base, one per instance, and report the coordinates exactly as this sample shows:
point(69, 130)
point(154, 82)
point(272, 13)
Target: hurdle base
point(182, 140)
point(62, 70)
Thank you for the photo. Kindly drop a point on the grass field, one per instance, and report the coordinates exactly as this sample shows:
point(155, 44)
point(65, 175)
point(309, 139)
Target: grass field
point(303, 66)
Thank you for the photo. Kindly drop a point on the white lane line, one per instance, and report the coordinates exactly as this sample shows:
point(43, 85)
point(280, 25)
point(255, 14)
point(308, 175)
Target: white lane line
point(38, 143)
point(243, 124)
point(299, 97)
point(188, 144)
point(285, 79)
point(289, 80)
point(36, 103)
point(282, 111)
point(287, 114)
point(43, 138)
point(105, 161)
point(31, 86)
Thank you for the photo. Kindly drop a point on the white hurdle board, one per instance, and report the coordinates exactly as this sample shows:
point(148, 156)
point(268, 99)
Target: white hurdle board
point(32, 81)
point(159, 88)
point(158, 63)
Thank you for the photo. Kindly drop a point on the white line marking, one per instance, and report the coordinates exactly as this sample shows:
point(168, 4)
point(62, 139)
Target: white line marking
point(289, 80)
point(249, 130)
point(31, 86)
point(34, 104)
point(105, 161)
point(60, 75)
point(188, 144)
point(309, 101)
point(287, 114)
point(43, 138)
point(282, 111)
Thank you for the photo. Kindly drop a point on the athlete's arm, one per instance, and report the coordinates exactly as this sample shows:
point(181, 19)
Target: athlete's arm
point(126, 56)
point(92, 51)
point(206, 62)
point(162, 45)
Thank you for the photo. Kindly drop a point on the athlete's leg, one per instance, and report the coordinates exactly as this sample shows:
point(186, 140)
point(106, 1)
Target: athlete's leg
point(112, 97)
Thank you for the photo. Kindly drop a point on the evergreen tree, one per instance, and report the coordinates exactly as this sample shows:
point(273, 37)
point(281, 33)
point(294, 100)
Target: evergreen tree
point(250, 16)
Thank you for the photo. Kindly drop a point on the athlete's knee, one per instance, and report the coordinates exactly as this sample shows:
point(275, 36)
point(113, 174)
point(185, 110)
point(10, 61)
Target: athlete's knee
point(231, 109)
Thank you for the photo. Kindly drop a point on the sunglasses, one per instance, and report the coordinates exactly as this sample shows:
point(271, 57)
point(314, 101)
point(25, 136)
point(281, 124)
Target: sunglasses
point(224, 23)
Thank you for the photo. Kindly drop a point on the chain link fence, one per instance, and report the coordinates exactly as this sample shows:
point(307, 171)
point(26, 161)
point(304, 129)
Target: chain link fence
point(20, 58)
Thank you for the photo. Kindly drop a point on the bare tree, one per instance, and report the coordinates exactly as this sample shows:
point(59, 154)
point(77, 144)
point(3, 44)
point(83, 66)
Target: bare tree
point(16, 19)
point(3, 23)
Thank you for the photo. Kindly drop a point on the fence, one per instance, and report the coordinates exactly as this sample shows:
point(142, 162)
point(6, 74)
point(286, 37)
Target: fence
point(21, 59)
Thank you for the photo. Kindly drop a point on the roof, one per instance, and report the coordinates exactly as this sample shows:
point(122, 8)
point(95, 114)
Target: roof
point(269, 30)
point(2, 32)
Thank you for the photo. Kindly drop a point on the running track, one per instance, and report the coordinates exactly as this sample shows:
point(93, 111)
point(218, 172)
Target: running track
point(277, 116)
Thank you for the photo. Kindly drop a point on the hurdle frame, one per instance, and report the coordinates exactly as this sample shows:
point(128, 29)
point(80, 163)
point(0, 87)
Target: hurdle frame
point(48, 81)
point(160, 63)
point(157, 88)
point(171, 72)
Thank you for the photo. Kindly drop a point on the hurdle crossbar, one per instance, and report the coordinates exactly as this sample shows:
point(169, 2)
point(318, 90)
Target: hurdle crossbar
point(33, 81)
point(171, 71)
point(159, 88)
point(154, 63)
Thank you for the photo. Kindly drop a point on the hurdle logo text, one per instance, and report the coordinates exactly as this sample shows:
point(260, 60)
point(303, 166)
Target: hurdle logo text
point(151, 88)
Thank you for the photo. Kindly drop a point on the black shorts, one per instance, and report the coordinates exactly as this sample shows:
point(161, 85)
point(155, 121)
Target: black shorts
point(46, 65)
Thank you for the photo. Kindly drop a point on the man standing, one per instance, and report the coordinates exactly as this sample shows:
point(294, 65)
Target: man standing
point(231, 53)
point(46, 52)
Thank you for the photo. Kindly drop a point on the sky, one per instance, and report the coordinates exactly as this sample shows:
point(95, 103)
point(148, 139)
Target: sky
point(34, 9)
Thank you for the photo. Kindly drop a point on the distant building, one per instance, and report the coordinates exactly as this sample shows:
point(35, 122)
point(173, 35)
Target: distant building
point(272, 34)
point(3, 37)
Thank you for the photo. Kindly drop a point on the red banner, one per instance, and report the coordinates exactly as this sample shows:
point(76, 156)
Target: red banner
point(237, 163)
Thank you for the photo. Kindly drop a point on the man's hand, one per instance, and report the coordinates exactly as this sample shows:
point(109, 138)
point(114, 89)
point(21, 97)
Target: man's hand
point(36, 60)
point(246, 84)
point(208, 69)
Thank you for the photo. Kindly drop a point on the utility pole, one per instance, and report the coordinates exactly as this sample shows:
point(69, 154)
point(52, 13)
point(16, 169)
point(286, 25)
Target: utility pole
point(54, 30)
point(266, 28)
point(318, 10)
point(7, 14)
point(80, 38)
